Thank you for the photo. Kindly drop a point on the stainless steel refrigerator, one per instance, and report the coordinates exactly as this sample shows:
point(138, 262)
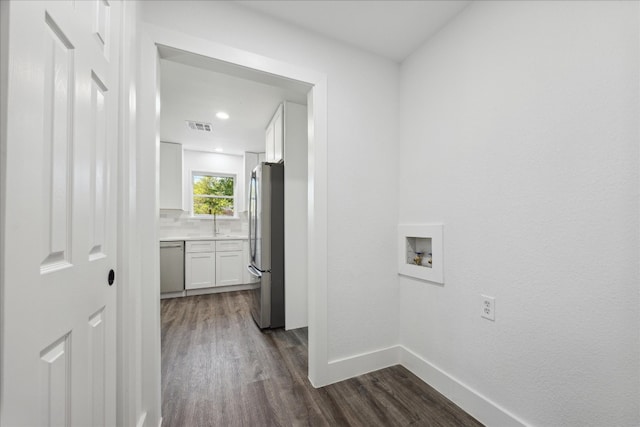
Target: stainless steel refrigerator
point(266, 244)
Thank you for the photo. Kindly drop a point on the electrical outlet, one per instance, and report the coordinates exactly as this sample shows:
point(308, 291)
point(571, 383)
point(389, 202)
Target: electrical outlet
point(488, 307)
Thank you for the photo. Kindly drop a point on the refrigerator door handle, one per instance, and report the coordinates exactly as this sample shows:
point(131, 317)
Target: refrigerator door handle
point(254, 272)
point(253, 215)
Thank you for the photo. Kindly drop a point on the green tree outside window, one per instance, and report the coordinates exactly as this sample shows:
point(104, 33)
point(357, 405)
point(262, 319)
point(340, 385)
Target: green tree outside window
point(213, 194)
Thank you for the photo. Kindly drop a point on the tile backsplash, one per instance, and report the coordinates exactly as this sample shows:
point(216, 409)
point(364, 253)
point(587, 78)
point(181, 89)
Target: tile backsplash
point(180, 223)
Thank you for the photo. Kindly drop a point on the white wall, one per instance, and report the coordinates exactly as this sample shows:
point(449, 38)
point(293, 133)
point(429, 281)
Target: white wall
point(202, 161)
point(295, 214)
point(362, 117)
point(519, 131)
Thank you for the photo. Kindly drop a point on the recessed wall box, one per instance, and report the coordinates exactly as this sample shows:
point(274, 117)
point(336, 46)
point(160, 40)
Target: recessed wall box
point(420, 251)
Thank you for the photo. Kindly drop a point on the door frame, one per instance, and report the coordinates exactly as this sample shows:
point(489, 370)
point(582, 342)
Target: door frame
point(148, 106)
point(4, 84)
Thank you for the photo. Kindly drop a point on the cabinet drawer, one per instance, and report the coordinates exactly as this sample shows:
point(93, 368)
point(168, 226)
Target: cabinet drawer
point(228, 245)
point(200, 246)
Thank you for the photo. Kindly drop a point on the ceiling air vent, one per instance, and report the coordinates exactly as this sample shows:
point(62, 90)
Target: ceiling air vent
point(199, 126)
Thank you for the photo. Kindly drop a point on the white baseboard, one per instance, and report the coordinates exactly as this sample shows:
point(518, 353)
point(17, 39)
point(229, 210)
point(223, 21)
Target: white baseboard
point(204, 291)
point(219, 289)
point(349, 367)
point(474, 403)
point(168, 295)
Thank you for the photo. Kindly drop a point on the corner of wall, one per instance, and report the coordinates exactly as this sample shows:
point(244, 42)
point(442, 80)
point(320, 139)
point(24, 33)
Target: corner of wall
point(360, 364)
point(477, 405)
point(470, 400)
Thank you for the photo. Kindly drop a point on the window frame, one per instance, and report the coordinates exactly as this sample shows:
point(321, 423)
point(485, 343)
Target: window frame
point(218, 175)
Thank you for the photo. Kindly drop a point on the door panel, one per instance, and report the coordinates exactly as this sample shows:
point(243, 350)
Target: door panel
point(97, 369)
point(58, 110)
point(101, 25)
point(55, 383)
point(59, 313)
point(98, 159)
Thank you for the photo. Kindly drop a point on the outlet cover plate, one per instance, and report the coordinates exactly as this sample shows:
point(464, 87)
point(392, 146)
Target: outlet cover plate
point(488, 307)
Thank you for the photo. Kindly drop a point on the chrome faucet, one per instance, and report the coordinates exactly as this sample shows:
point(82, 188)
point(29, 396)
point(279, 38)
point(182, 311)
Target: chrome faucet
point(215, 225)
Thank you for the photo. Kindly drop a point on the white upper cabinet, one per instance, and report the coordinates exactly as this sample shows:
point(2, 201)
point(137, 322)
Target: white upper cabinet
point(274, 135)
point(170, 176)
point(269, 148)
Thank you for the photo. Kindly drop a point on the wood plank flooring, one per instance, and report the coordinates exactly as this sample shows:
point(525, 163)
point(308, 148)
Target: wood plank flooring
point(218, 369)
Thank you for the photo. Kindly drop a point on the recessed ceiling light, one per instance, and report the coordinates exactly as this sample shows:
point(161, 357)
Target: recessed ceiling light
point(222, 115)
point(219, 150)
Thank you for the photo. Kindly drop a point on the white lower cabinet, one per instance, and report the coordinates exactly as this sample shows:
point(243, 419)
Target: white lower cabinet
point(210, 263)
point(199, 270)
point(229, 268)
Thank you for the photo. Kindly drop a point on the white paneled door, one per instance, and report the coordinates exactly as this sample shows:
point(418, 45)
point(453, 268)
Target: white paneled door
point(61, 128)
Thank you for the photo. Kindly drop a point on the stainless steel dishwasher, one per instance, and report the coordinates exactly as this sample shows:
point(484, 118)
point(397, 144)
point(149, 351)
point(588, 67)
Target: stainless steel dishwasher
point(171, 266)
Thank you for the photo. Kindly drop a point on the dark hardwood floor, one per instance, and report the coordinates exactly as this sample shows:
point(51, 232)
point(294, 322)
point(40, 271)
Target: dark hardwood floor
point(218, 369)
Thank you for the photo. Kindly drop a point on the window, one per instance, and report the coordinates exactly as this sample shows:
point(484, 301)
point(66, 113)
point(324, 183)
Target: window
point(213, 194)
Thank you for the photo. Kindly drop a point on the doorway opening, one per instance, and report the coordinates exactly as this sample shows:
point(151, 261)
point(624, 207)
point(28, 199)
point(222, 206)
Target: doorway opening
point(214, 120)
point(169, 43)
point(219, 122)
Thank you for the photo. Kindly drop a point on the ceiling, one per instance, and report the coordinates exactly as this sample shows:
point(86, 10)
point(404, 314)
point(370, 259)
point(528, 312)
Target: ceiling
point(392, 28)
point(193, 87)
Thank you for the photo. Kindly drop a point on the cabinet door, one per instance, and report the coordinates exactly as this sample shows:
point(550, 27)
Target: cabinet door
point(200, 270)
point(270, 143)
point(170, 176)
point(278, 136)
point(274, 135)
point(229, 268)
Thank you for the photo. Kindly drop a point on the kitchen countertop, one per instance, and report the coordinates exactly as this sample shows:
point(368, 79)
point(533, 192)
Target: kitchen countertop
point(191, 238)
